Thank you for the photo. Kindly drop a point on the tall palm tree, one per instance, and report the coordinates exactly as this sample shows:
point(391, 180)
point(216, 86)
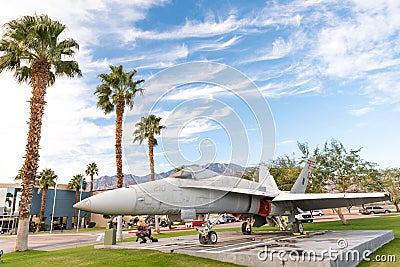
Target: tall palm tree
point(91, 170)
point(146, 128)
point(117, 90)
point(75, 183)
point(30, 47)
point(46, 178)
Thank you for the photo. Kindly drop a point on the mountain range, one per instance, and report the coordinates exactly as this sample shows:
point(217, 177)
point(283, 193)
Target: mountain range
point(110, 182)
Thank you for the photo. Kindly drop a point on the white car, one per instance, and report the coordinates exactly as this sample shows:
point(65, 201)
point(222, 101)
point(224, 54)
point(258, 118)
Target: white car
point(317, 213)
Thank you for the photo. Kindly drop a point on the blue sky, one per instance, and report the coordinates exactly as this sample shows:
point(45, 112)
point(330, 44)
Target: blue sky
point(327, 69)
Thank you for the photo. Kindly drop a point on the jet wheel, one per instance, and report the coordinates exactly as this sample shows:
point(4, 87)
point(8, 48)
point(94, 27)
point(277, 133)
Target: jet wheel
point(212, 238)
point(298, 227)
point(202, 239)
point(245, 231)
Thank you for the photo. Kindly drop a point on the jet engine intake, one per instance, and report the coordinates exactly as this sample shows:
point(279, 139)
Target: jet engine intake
point(265, 207)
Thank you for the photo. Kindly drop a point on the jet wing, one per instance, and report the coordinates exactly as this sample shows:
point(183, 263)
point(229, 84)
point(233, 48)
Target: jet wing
point(237, 190)
point(327, 200)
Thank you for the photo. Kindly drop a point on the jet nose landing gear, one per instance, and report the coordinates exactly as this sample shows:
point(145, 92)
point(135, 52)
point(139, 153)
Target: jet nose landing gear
point(206, 236)
point(211, 238)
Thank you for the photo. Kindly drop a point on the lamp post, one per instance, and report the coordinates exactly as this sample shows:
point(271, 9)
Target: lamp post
point(54, 204)
point(79, 211)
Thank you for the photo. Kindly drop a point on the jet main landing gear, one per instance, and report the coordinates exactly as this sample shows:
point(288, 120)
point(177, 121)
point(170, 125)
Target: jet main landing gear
point(298, 227)
point(247, 227)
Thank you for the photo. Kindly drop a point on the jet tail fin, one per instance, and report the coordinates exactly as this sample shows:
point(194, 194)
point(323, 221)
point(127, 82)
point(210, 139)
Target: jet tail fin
point(301, 183)
point(267, 180)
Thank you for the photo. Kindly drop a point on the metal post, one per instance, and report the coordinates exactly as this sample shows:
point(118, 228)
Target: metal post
point(54, 204)
point(79, 211)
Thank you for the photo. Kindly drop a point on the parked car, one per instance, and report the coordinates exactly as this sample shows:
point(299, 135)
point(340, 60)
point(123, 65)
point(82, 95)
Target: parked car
point(304, 217)
point(373, 210)
point(221, 220)
point(230, 218)
point(317, 213)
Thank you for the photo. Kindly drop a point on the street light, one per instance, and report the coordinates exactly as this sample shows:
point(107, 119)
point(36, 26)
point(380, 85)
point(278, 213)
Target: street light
point(79, 211)
point(54, 204)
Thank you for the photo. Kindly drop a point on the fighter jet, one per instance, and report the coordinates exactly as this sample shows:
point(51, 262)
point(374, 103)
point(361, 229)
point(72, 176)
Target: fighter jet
point(201, 191)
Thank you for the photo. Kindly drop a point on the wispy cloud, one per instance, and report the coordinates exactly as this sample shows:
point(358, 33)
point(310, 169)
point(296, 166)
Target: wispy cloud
point(280, 48)
point(360, 111)
point(286, 142)
point(191, 29)
point(215, 45)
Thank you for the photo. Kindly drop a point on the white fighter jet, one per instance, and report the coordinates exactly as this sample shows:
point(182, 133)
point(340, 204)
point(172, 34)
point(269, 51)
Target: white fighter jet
point(201, 191)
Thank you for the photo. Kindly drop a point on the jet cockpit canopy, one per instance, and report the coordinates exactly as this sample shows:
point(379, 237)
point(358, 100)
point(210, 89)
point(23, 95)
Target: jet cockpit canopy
point(194, 172)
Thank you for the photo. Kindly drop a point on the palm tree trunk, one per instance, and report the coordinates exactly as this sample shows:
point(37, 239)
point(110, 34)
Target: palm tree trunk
point(152, 178)
point(42, 206)
point(118, 139)
point(40, 77)
point(91, 185)
point(151, 156)
point(118, 154)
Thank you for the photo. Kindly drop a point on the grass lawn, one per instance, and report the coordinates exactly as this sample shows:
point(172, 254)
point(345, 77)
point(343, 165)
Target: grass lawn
point(88, 256)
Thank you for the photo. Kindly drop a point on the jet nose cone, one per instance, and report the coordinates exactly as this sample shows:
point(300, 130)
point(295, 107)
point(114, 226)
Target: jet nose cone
point(83, 205)
point(120, 201)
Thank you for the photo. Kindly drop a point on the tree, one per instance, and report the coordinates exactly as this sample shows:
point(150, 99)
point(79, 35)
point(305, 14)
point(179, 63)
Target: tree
point(30, 47)
point(285, 170)
point(391, 182)
point(117, 90)
point(92, 170)
point(146, 128)
point(341, 170)
point(75, 183)
point(249, 174)
point(46, 178)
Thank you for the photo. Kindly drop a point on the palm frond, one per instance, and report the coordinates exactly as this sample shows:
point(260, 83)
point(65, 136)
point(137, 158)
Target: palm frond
point(30, 39)
point(114, 84)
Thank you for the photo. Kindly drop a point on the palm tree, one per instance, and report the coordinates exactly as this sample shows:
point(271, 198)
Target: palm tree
point(46, 178)
point(75, 183)
point(31, 48)
point(116, 91)
point(92, 170)
point(146, 128)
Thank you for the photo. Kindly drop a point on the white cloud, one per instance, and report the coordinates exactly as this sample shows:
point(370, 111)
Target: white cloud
point(360, 111)
point(384, 88)
point(289, 88)
point(198, 91)
point(286, 142)
point(207, 28)
point(215, 45)
point(369, 41)
point(280, 49)
point(198, 126)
